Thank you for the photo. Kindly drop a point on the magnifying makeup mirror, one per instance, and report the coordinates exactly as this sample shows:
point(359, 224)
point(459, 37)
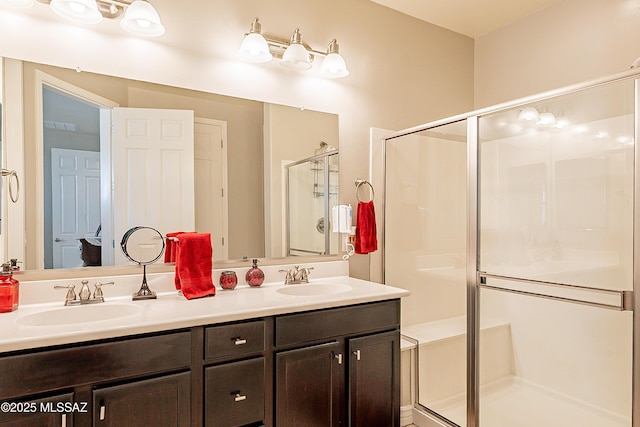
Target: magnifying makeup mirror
point(144, 246)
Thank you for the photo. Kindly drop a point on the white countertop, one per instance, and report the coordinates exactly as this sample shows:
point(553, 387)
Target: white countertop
point(172, 311)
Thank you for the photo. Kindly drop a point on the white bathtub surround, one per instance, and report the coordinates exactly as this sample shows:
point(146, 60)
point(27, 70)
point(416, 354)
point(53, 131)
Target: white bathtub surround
point(173, 311)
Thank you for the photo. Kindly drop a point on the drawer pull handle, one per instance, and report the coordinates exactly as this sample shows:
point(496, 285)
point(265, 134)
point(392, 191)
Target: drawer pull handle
point(239, 341)
point(357, 354)
point(339, 357)
point(240, 397)
point(102, 412)
point(63, 421)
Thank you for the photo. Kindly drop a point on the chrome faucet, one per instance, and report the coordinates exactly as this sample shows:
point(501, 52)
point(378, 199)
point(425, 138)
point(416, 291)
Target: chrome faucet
point(297, 275)
point(85, 296)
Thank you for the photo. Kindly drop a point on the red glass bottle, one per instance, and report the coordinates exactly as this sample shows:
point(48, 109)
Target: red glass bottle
point(9, 290)
point(255, 276)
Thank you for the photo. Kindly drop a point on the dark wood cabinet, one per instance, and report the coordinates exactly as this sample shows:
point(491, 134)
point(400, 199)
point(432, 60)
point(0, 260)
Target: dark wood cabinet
point(374, 379)
point(308, 392)
point(351, 380)
point(46, 412)
point(162, 401)
point(320, 368)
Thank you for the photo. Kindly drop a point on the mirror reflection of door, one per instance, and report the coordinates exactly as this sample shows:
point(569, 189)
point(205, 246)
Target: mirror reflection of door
point(72, 119)
point(75, 200)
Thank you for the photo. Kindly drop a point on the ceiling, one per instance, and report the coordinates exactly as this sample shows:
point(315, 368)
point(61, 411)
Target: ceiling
point(473, 18)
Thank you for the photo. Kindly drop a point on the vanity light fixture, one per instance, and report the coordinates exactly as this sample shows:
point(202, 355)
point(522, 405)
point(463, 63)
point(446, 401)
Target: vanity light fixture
point(254, 47)
point(17, 3)
point(296, 55)
point(140, 17)
point(81, 11)
point(292, 52)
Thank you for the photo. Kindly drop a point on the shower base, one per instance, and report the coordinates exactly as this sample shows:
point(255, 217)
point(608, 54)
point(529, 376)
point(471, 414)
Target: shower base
point(513, 402)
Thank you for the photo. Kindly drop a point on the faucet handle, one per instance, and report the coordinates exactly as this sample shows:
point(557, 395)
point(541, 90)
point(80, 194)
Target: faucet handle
point(305, 273)
point(71, 293)
point(97, 292)
point(288, 278)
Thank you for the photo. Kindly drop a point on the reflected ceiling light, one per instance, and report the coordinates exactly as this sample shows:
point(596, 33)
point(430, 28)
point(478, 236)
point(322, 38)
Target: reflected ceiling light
point(142, 19)
point(528, 114)
point(81, 11)
point(292, 52)
point(254, 47)
point(296, 55)
point(546, 119)
point(16, 3)
point(333, 64)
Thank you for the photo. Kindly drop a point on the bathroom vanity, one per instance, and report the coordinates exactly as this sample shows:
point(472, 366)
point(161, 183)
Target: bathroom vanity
point(326, 351)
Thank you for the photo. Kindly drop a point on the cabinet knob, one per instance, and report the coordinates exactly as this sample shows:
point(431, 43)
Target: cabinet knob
point(240, 397)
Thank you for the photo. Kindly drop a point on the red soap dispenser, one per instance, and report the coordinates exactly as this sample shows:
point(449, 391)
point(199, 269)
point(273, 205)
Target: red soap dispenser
point(255, 276)
point(9, 290)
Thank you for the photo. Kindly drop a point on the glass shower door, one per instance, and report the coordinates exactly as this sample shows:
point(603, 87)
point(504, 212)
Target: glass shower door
point(425, 253)
point(556, 205)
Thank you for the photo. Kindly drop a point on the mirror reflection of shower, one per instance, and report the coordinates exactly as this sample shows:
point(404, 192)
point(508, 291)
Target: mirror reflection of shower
point(311, 193)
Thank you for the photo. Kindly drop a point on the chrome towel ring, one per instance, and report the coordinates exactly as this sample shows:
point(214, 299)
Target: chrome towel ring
point(12, 174)
point(359, 183)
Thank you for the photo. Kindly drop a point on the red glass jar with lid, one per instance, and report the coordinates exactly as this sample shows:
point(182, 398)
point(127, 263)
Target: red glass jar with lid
point(228, 280)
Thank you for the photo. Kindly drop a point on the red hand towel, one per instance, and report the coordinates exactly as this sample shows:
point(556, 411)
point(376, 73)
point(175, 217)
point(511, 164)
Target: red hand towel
point(170, 247)
point(194, 265)
point(366, 239)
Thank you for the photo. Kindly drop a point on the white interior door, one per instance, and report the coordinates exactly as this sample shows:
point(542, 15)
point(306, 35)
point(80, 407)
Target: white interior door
point(75, 198)
point(211, 200)
point(153, 171)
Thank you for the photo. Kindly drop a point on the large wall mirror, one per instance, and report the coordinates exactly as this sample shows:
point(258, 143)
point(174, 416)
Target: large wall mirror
point(239, 152)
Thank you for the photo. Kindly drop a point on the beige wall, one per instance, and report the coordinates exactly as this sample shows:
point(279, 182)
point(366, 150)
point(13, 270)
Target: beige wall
point(569, 42)
point(403, 71)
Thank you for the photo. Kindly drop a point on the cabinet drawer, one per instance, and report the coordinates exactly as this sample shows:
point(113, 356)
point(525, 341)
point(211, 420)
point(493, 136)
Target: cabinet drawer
point(234, 393)
point(318, 325)
point(93, 363)
point(235, 340)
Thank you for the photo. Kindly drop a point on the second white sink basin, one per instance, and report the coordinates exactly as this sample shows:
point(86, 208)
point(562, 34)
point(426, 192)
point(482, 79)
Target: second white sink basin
point(78, 314)
point(314, 289)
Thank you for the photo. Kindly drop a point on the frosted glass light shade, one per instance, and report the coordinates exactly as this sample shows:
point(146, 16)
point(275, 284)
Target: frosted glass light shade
point(334, 66)
point(142, 19)
point(547, 119)
point(255, 48)
point(296, 56)
point(16, 3)
point(529, 114)
point(82, 11)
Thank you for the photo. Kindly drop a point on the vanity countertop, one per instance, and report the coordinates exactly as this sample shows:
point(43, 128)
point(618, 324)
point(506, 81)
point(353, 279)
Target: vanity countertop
point(172, 311)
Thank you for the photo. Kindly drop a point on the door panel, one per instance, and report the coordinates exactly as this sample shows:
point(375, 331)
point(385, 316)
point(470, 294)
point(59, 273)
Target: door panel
point(75, 197)
point(153, 171)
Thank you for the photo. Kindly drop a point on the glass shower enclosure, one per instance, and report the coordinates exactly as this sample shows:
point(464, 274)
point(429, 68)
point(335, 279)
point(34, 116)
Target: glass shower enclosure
point(515, 227)
point(311, 192)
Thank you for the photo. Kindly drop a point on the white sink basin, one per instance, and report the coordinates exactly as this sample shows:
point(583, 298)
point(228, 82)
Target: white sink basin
point(78, 314)
point(314, 289)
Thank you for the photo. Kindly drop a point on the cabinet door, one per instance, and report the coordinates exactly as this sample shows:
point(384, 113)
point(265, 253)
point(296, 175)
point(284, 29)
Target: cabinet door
point(41, 413)
point(308, 386)
point(163, 401)
point(374, 380)
point(234, 393)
